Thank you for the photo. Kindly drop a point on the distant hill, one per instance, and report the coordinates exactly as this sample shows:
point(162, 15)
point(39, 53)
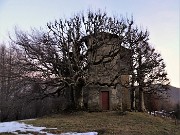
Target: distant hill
point(174, 94)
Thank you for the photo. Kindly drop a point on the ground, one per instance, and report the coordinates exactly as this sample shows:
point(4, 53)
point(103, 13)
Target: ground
point(108, 123)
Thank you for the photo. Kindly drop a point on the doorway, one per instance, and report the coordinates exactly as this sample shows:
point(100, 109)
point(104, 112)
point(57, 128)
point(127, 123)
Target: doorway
point(105, 100)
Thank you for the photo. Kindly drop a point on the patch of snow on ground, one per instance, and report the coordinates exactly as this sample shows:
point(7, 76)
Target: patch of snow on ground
point(14, 127)
point(88, 133)
point(27, 120)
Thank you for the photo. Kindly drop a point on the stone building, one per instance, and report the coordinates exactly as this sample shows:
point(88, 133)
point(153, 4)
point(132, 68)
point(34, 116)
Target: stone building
point(108, 74)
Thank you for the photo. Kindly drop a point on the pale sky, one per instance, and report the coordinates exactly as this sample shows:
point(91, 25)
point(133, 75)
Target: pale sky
point(160, 17)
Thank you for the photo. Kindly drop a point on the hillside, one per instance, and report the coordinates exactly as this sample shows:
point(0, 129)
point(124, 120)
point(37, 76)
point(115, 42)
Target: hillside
point(109, 123)
point(174, 94)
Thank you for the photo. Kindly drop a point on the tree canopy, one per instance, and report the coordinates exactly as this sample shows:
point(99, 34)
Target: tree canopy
point(64, 55)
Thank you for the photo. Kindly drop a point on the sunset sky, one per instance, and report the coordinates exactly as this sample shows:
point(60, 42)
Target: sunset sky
point(160, 17)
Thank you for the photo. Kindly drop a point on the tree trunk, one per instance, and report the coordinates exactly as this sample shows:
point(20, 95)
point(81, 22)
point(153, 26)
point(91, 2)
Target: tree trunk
point(141, 107)
point(72, 101)
point(141, 101)
point(80, 101)
point(79, 98)
point(77, 102)
point(133, 100)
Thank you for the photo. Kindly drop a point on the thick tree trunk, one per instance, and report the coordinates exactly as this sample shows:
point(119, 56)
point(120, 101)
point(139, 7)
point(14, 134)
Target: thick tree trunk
point(77, 101)
point(78, 96)
point(133, 100)
point(72, 104)
point(80, 103)
point(141, 107)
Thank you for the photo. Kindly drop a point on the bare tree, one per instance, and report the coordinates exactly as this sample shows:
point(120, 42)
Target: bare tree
point(149, 74)
point(64, 56)
point(8, 80)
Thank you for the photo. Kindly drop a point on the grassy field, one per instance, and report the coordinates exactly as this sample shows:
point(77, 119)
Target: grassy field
point(109, 123)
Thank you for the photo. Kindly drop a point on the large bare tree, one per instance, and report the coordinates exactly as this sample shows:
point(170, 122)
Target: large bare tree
point(148, 67)
point(63, 56)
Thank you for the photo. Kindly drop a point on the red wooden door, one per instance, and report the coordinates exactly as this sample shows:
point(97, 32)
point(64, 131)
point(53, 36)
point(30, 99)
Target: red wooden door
point(105, 100)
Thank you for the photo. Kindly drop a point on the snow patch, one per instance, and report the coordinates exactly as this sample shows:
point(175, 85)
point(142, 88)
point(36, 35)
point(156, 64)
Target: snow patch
point(74, 133)
point(27, 120)
point(15, 127)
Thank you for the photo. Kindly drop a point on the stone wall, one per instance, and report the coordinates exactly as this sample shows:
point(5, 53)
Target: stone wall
point(103, 74)
point(94, 100)
point(119, 97)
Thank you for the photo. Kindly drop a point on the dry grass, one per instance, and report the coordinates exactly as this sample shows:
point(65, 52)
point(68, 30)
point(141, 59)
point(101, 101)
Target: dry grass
point(109, 123)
